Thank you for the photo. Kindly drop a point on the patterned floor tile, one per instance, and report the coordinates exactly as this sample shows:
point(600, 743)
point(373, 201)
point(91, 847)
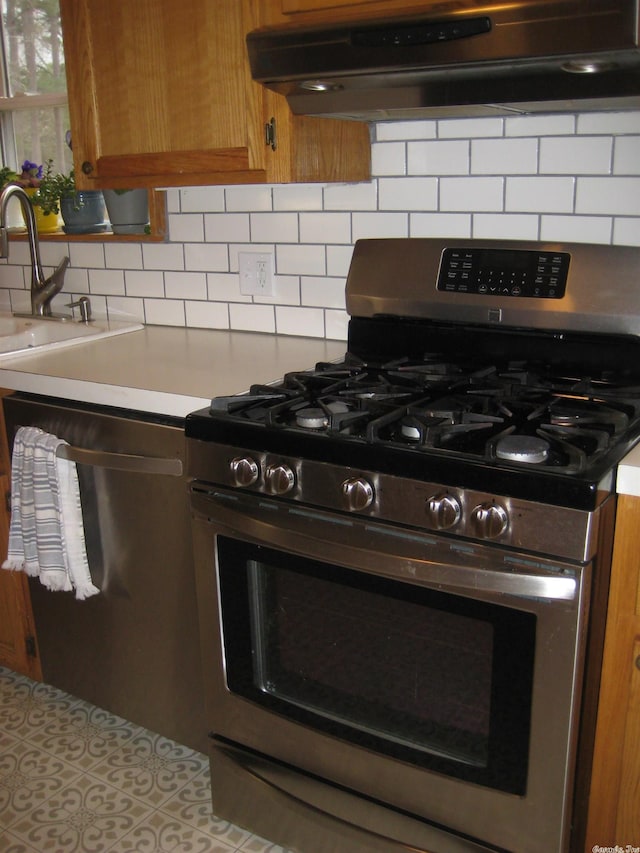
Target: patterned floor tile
point(255, 844)
point(163, 834)
point(150, 767)
point(28, 776)
point(84, 734)
point(28, 705)
point(192, 805)
point(10, 844)
point(87, 816)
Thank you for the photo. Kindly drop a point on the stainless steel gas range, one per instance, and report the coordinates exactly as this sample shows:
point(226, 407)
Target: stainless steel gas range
point(402, 558)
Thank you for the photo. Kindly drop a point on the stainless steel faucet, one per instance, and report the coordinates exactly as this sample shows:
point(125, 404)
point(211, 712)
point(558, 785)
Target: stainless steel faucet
point(42, 289)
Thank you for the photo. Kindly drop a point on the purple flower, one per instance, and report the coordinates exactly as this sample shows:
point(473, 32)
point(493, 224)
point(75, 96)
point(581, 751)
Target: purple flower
point(31, 170)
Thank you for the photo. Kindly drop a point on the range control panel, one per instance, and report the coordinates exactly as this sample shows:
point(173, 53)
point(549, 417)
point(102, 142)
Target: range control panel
point(504, 272)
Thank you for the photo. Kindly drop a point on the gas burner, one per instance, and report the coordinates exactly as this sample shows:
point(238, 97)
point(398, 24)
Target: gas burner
point(312, 417)
point(522, 448)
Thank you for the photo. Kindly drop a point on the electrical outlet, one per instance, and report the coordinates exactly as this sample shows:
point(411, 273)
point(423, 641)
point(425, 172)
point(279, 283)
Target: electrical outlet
point(256, 273)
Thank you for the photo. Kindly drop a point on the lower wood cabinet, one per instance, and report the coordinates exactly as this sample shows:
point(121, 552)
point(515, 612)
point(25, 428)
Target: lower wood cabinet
point(614, 813)
point(18, 644)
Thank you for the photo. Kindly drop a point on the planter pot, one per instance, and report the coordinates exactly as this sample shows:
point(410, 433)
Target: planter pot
point(46, 223)
point(128, 210)
point(84, 212)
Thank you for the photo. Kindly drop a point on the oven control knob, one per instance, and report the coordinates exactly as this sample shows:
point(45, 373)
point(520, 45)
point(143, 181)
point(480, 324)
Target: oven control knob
point(358, 494)
point(489, 520)
point(244, 471)
point(279, 479)
point(443, 511)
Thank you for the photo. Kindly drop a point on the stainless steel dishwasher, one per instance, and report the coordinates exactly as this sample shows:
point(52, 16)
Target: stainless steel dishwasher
point(134, 648)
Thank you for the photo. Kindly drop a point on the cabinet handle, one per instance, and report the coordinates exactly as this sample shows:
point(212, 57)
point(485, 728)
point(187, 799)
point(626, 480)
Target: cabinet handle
point(121, 461)
point(87, 167)
point(270, 134)
point(638, 662)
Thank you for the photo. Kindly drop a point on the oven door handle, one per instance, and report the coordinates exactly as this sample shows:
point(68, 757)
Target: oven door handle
point(390, 551)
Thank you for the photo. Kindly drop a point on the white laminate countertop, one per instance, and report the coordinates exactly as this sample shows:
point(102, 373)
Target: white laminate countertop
point(164, 370)
point(628, 478)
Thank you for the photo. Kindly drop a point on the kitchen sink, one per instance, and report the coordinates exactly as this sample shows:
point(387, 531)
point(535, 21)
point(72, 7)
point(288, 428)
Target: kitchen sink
point(23, 335)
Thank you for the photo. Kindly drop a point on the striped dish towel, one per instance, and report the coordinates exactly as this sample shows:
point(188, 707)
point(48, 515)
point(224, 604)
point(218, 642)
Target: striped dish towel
point(46, 535)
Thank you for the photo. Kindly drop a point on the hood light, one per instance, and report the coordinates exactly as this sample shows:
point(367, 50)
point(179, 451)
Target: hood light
point(587, 66)
point(320, 86)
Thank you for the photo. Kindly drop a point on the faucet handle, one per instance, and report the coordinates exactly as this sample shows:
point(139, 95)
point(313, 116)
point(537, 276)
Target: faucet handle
point(85, 308)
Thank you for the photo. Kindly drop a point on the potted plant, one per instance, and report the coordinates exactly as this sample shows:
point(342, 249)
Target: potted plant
point(83, 211)
point(40, 184)
point(128, 210)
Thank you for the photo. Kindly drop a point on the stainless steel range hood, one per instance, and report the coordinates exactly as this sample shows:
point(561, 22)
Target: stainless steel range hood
point(459, 57)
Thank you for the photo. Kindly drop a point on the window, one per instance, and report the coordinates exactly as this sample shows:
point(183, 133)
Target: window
point(34, 116)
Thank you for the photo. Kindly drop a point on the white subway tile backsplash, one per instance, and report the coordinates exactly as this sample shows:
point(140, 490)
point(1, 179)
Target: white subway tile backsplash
point(225, 287)
point(82, 254)
point(107, 282)
point(626, 231)
point(322, 292)
point(572, 155)
point(338, 260)
point(389, 158)
point(297, 197)
point(393, 130)
point(184, 285)
point(201, 199)
point(470, 128)
point(163, 256)
point(308, 322)
point(540, 125)
point(187, 227)
point(144, 283)
point(440, 225)
point(363, 196)
point(509, 226)
point(227, 227)
point(379, 225)
point(613, 196)
point(504, 156)
point(336, 325)
point(164, 312)
point(626, 155)
point(562, 176)
point(300, 260)
point(408, 194)
point(438, 157)
point(325, 227)
point(609, 123)
point(252, 318)
point(207, 315)
point(206, 257)
point(124, 256)
point(539, 194)
point(274, 227)
point(247, 198)
point(576, 229)
point(476, 193)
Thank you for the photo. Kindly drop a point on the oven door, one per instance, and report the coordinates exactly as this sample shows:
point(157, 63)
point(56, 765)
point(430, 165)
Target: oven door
point(436, 677)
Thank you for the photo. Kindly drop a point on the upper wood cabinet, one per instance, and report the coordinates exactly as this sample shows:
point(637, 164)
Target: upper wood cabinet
point(332, 11)
point(160, 94)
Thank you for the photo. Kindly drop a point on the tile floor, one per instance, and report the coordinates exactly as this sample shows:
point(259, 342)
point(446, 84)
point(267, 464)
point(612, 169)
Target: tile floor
point(74, 777)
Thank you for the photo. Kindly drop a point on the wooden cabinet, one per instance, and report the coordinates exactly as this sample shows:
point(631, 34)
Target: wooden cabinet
point(160, 94)
point(332, 11)
point(18, 649)
point(614, 816)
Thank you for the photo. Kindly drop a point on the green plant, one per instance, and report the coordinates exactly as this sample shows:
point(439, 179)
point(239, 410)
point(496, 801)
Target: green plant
point(48, 190)
point(7, 176)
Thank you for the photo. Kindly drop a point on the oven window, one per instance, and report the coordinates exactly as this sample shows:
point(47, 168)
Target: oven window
point(438, 680)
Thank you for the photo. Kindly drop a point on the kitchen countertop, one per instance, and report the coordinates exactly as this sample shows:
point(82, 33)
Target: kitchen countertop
point(174, 371)
point(164, 370)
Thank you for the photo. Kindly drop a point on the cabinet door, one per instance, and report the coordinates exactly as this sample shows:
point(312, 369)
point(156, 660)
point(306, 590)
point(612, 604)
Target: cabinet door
point(327, 11)
point(614, 817)
point(17, 632)
point(160, 94)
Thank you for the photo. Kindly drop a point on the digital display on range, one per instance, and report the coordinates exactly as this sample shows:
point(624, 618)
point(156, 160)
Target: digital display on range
point(504, 272)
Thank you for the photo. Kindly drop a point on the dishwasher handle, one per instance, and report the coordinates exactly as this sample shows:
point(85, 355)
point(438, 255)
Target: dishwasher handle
point(121, 461)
